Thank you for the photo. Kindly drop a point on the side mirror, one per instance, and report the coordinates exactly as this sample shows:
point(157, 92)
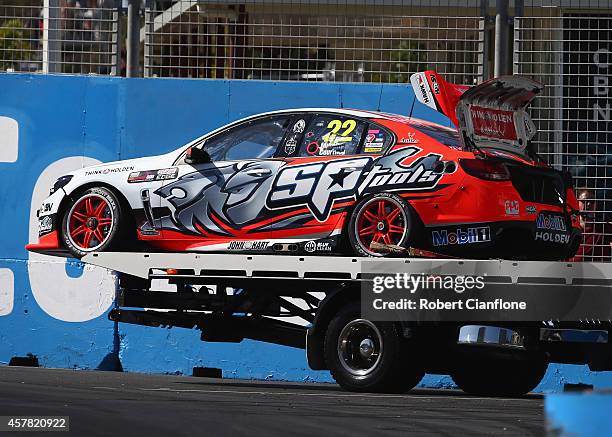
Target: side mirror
point(196, 155)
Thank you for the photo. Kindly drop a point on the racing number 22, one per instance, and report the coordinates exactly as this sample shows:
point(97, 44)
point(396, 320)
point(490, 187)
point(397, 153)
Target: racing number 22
point(335, 126)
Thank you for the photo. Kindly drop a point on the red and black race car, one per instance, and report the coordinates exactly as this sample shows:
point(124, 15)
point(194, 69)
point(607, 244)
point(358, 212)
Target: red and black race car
point(331, 181)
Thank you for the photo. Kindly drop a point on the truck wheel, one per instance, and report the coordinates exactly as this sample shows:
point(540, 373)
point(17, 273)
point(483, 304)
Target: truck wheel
point(369, 356)
point(92, 222)
point(500, 377)
point(382, 218)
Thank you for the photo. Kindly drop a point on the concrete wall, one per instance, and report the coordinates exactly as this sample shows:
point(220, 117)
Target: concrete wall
point(56, 309)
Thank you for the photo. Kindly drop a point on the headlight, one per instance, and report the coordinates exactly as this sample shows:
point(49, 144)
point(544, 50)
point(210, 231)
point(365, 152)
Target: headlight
point(60, 183)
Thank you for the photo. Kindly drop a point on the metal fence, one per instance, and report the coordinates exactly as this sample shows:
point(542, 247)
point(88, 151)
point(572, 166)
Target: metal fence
point(60, 36)
point(570, 52)
point(328, 41)
point(564, 43)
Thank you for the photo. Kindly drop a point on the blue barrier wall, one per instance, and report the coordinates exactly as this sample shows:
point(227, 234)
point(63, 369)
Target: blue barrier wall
point(56, 309)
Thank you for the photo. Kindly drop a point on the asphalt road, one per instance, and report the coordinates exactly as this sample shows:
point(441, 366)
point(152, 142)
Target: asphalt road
point(130, 404)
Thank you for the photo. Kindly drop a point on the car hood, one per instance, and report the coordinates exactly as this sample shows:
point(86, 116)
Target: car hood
point(137, 164)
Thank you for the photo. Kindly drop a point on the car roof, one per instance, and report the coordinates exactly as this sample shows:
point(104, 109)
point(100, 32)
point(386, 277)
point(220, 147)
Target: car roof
point(351, 112)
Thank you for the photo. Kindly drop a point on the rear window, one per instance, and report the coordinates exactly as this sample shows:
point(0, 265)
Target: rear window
point(441, 134)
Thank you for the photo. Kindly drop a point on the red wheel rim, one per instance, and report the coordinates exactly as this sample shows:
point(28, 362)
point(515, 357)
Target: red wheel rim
point(89, 222)
point(381, 221)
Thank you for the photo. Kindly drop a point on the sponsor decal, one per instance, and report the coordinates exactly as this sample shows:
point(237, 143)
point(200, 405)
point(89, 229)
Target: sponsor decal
point(551, 222)
point(409, 139)
point(374, 142)
point(248, 245)
point(493, 123)
point(291, 145)
point(462, 236)
point(552, 237)
point(434, 84)
point(318, 185)
point(423, 89)
point(551, 228)
point(153, 175)
point(229, 192)
point(299, 126)
point(46, 207)
point(312, 148)
point(317, 246)
point(146, 230)
point(332, 151)
point(530, 209)
point(511, 207)
point(45, 225)
point(108, 171)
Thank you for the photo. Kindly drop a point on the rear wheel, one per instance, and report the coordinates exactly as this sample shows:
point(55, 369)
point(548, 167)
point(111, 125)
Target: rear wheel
point(369, 356)
point(383, 218)
point(92, 222)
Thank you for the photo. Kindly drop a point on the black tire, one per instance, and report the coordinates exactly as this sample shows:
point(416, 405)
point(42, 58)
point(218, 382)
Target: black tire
point(500, 377)
point(393, 371)
point(110, 233)
point(407, 216)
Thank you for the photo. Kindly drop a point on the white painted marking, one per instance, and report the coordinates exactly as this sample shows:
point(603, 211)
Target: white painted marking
point(65, 298)
point(7, 291)
point(9, 139)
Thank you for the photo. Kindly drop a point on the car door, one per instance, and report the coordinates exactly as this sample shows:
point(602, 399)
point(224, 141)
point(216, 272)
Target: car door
point(217, 201)
point(323, 170)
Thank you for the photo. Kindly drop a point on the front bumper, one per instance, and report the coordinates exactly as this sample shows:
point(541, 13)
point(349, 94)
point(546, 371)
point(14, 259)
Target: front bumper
point(48, 244)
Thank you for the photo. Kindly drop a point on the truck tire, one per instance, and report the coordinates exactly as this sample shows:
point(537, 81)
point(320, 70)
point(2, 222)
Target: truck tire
point(368, 356)
point(500, 377)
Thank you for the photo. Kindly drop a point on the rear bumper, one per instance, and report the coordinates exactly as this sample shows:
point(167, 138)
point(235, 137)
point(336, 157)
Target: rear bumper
point(505, 239)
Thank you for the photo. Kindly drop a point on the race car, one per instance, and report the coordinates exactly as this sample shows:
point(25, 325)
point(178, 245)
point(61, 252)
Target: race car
point(334, 181)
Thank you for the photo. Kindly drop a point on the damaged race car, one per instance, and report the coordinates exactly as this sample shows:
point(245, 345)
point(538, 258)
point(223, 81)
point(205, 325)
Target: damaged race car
point(334, 181)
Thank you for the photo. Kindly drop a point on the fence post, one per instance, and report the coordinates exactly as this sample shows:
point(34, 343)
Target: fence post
point(502, 27)
point(52, 41)
point(485, 25)
point(149, 30)
point(116, 41)
point(133, 39)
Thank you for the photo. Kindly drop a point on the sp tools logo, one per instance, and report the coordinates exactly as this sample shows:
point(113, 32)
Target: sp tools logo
point(318, 185)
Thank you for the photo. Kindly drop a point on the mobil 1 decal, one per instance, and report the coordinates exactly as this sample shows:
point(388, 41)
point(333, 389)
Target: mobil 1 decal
point(318, 185)
point(551, 228)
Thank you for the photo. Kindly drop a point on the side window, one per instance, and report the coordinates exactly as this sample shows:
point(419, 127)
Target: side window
point(332, 135)
point(377, 139)
point(258, 139)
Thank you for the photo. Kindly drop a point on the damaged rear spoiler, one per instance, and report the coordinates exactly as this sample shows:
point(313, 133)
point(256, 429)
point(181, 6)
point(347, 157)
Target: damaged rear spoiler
point(490, 115)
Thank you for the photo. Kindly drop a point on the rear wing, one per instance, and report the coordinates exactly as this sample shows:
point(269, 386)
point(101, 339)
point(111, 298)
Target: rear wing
point(490, 115)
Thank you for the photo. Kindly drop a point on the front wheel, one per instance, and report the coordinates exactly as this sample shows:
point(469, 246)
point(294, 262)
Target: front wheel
point(92, 222)
point(369, 356)
point(383, 218)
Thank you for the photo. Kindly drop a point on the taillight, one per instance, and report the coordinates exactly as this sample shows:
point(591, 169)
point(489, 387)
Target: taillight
point(485, 169)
